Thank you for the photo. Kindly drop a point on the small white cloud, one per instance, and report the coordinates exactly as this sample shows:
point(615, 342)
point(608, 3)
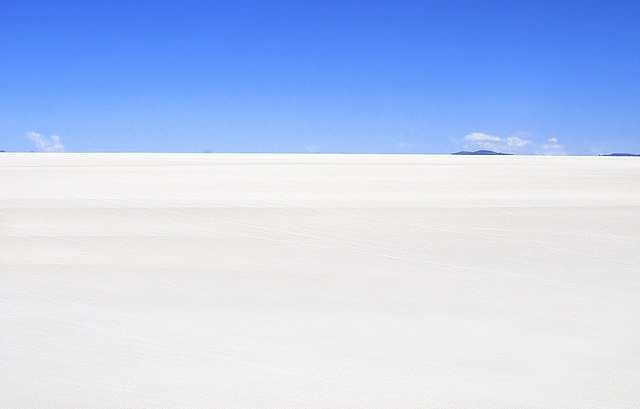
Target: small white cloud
point(44, 144)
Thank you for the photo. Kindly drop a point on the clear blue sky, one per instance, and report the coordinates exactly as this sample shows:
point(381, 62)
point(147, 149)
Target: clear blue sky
point(323, 76)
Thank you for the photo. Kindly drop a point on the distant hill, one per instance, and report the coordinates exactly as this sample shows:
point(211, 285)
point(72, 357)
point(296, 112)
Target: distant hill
point(621, 154)
point(480, 152)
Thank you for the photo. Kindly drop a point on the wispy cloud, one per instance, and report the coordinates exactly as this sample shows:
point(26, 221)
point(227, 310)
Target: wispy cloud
point(311, 147)
point(510, 144)
point(403, 146)
point(44, 144)
point(521, 143)
point(552, 147)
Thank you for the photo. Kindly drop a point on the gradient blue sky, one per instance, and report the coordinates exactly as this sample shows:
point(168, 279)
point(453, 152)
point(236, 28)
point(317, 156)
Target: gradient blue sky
point(321, 76)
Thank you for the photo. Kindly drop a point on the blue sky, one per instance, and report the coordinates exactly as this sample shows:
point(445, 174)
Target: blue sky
point(541, 77)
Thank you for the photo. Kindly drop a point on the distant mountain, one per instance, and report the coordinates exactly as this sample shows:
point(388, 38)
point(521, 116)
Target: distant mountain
point(480, 152)
point(621, 154)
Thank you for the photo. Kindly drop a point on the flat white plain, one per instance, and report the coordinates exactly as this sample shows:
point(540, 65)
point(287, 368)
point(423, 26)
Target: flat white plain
point(319, 281)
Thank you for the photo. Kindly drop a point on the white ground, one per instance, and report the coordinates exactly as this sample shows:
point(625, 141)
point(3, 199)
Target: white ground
point(319, 281)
